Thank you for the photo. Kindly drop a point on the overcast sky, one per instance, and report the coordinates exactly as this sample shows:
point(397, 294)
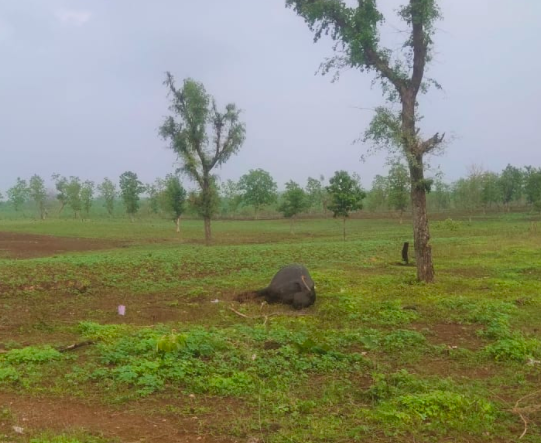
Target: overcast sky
point(81, 87)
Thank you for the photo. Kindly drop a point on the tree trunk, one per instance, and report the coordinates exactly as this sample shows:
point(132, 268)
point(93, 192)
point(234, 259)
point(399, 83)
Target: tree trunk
point(414, 155)
point(208, 234)
point(421, 233)
point(177, 223)
point(206, 205)
point(401, 216)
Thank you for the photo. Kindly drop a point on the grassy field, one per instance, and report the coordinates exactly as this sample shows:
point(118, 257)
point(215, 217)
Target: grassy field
point(379, 358)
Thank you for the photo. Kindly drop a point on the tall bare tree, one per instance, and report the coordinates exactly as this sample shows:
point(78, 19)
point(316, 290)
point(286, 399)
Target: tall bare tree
point(202, 137)
point(356, 31)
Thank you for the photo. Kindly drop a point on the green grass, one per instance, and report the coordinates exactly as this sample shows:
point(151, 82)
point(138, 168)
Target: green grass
point(380, 357)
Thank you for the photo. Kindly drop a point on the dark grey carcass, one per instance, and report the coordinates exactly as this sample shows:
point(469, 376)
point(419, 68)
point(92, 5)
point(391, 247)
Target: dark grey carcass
point(291, 285)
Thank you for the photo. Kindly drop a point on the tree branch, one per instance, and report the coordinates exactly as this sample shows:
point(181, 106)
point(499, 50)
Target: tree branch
point(224, 146)
point(374, 59)
point(420, 48)
point(218, 127)
point(432, 143)
point(336, 14)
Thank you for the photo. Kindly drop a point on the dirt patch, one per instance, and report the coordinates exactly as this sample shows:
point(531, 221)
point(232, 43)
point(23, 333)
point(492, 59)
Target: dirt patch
point(21, 246)
point(445, 367)
point(451, 334)
point(39, 322)
point(136, 424)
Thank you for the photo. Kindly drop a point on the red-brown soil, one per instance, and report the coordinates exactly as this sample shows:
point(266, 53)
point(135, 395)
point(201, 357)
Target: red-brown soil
point(130, 425)
point(21, 246)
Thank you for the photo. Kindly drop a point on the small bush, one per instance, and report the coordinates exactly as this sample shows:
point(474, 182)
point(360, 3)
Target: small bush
point(32, 354)
point(403, 402)
point(514, 348)
point(443, 408)
point(8, 374)
point(107, 333)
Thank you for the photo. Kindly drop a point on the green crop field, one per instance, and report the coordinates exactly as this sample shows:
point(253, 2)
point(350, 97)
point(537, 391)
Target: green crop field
point(378, 358)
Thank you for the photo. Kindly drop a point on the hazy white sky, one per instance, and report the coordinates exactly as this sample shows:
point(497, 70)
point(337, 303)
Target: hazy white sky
point(81, 87)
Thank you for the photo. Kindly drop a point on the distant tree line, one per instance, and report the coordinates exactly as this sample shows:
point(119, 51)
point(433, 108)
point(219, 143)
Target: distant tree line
point(256, 195)
point(205, 137)
point(479, 190)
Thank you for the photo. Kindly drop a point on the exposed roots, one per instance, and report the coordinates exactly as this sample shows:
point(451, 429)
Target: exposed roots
point(524, 411)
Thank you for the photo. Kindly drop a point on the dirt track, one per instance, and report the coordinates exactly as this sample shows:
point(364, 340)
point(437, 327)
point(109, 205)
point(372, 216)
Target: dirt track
point(130, 426)
point(21, 246)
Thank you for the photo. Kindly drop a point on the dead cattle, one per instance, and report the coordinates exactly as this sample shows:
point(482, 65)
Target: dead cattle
point(291, 285)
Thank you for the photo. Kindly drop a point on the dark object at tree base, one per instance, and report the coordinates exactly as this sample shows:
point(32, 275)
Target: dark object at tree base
point(292, 285)
point(405, 248)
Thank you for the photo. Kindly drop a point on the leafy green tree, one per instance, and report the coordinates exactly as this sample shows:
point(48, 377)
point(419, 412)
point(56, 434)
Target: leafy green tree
point(461, 195)
point(154, 190)
point(173, 198)
point(467, 192)
point(130, 190)
point(532, 185)
point(258, 189)
point(107, 191)
point(346, 196)
point(87, 195)
point(356, 33)
point(203, 138)
point(315, 192)
point(231, 196)
point(441, 194)
point(294, 201)
point(38, 193)
point(60, 184)
point(490, 189)
point(208, 203)
point(73, 194)
point(18, 194)
point(511, 182)
point(399, 188)
point(378, 196)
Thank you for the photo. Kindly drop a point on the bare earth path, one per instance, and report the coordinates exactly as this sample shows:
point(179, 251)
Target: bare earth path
point(131, 425)
point(20, 246)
